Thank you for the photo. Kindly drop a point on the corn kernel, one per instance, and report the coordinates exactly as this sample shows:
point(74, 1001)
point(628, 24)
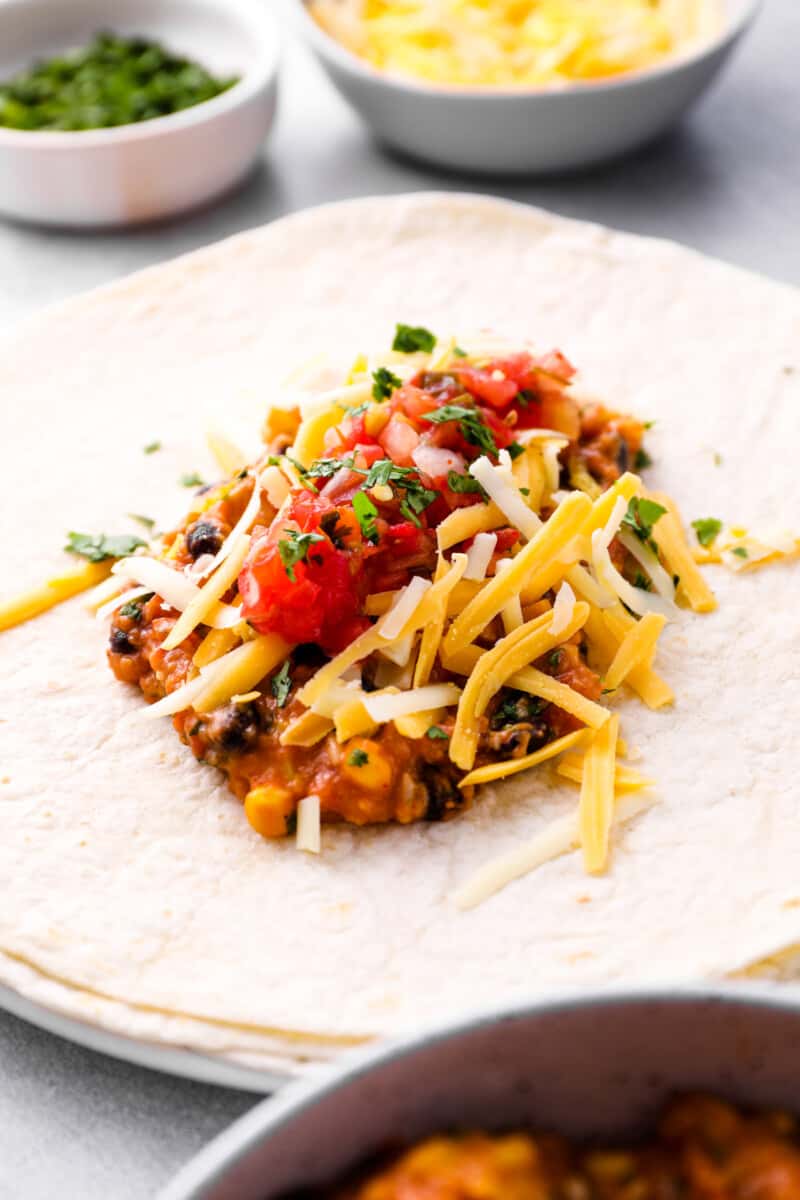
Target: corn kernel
point(373, 773)
point(268, 808)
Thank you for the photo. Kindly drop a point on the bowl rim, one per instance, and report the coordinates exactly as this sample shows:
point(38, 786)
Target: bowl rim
point(257, 19)
point(329, 48)
point(211, 1164)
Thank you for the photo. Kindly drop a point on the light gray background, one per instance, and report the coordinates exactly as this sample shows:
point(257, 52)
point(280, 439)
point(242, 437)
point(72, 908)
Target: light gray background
point(73, 1123)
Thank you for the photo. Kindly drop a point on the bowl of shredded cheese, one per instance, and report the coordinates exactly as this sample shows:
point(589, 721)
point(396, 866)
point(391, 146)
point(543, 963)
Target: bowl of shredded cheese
point(521, 86)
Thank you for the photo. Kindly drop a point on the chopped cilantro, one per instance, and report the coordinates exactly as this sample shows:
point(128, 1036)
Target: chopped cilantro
point(294, 549)
point(325, 468)
point(641, 516)
point(133, 609)
point(741, 552)
point(274, 460)
point(410, 338)
point(357, 758)
point(525, 491)
point(641, 460)
point(459, 353)
point(436, 733)
point(472, 427)
point(514, 450)
point(417, 497)
point(526, 397)
point(385, 471)
point(463, 484)
point(281, 684)
point(554, 659)
point(366, 512)
point(191, 479)
point(356, 410)
point(516, 708)
point(648, 424)
point(707, 529)
point(146, 522)
point(641, 581)
point(97, 547)
point(151, 447)
point(384, 383)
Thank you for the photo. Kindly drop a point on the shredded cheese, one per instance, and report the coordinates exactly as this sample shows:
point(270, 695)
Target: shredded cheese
point(511, 612)
point(111, 606)
point(240, 670)
point(493, 669)
point(216, 643)
point(499, 484)
point(553, 536)
point(241, 527)
point(559, 838)
point(511, 766)
point(228, 456)
point(403, 608)
point(463, 523)
point(175, 588)
point(386, 706)
point(275, 484)
point(597, 795)
point(446, 579)
point(351, 719)
point(416, 725)
point(536, 683)
point(306, 730)
point(563, 609)
point(36, 600)
point(309, 828)
point(479, 555)
point(626, 779)
point(638, 600)
point(516, 44)
point(678, 557)
point(205, 602)
point(636, 649)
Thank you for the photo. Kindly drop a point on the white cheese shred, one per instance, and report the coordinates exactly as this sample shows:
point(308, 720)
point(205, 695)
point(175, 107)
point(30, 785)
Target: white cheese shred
point(309, 827)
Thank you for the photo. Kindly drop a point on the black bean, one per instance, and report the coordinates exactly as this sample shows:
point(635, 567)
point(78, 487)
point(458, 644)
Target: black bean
point(203, 538)
point(121, 642)
point(444, 794)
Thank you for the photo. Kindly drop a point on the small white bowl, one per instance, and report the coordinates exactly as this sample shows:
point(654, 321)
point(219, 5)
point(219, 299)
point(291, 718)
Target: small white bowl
point(141, 172)
point(526, 131)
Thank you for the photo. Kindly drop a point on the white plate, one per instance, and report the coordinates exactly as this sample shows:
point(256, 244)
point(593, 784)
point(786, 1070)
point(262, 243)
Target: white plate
point(172, 1060)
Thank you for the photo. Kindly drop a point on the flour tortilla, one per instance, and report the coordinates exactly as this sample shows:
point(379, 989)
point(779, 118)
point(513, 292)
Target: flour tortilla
point(136, 896)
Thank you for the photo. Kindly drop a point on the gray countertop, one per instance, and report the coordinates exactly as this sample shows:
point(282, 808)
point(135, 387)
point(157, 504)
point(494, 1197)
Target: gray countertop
point(76, 1124)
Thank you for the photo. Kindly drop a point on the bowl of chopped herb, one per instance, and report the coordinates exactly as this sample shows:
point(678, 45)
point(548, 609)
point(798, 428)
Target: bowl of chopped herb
point(162, 112)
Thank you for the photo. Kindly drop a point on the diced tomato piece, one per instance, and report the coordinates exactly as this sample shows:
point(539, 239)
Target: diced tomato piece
point(322, 603)
point(413, 401)
point(489, 384)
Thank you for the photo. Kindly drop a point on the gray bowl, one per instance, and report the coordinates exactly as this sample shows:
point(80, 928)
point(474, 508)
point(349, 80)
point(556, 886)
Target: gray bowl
point(527, 130)
point(600, 1066)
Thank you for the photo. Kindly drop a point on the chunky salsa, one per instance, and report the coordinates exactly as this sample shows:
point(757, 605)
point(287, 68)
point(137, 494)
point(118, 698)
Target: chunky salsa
point(351, 504)
point(704, 1150)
